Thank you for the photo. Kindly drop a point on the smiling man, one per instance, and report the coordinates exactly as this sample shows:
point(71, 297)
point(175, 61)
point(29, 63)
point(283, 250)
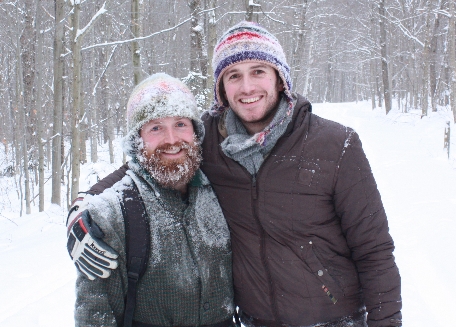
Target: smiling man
point(187, 279)
point(310, 238)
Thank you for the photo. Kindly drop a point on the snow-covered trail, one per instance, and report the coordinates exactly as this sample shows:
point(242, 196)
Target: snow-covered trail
point(418, 187)
point(36, 275)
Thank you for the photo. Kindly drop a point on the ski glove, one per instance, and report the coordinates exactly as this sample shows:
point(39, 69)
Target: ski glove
point(91, 255)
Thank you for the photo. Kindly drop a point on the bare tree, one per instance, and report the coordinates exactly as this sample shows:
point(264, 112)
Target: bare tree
point(198, 53)
point(58, 101)
point(452, 51)
point(39, 109)
point(212, 40)
point(384, 56)
point(298, 50)
point(250, 7)
point(425, 61)
point(20, 109)
point(434, 57)
point(135, 28)
point(76, 41)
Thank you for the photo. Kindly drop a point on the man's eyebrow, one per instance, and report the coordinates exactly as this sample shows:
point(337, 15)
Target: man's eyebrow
point(234, 69)
point(231, 70)
point(259, 66)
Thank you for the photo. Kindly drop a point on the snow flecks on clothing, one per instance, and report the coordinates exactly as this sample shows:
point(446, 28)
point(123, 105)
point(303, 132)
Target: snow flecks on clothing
point(228, 305)
point(213, 233)
point(347, 143)
point(100, 203)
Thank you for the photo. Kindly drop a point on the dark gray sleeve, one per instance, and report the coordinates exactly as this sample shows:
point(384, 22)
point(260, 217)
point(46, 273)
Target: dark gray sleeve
point(100, 302)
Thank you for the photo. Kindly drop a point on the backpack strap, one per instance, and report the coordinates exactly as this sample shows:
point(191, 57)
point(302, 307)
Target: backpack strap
point(137, 237)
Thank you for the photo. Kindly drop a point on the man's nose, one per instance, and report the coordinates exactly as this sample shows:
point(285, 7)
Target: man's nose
point(171, 136)
point(247, 85)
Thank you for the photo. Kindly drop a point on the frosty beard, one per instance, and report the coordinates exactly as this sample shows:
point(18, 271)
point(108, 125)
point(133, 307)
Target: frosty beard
point(172, 173)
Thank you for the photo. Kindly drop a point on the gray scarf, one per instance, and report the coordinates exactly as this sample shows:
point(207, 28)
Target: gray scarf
point(251, 150)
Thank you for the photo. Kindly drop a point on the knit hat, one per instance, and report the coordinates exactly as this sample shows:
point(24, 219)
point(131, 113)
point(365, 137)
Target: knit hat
point(248, 41)
point(159, 96)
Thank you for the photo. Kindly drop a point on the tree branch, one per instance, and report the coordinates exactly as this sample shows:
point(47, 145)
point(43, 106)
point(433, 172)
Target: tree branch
point(135, 39)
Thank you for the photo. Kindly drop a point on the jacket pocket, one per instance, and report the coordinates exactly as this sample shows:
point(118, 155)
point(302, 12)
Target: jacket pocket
point(327, 283)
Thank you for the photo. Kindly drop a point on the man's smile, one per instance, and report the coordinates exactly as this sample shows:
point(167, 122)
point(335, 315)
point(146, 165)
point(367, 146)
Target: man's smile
point(250, 100)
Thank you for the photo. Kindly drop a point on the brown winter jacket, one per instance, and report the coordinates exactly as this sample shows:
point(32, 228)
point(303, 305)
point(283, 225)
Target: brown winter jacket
point(312, 224)
point(310, 236)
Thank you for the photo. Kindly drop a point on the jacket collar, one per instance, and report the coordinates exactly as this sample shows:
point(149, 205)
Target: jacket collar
point(302, 107)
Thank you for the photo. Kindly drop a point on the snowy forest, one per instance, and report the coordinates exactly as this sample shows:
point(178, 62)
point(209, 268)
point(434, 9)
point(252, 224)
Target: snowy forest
point(68, 67)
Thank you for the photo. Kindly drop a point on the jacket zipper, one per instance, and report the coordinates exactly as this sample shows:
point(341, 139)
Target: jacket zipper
point(263, 255)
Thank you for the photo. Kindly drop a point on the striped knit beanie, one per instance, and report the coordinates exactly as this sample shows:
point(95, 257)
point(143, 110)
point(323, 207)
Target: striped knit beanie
point(247, 41)
point(159, 96)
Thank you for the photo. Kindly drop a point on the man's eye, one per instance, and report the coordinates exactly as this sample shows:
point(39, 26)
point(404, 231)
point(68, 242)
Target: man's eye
point(258, 72)
point(233, 76)
point(180, 124)
point(154, 128)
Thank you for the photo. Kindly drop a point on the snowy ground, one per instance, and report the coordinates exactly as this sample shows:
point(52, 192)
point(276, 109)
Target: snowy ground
point(416, 179)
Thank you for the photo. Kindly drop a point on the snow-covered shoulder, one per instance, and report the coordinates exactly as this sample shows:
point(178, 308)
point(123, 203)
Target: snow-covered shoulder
point(106, 211)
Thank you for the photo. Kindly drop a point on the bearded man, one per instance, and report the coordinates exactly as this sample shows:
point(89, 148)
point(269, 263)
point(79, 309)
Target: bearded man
point(188, 280)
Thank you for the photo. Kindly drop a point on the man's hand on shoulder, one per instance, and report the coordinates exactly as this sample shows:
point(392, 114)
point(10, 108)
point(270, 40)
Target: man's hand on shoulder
point(91, 255)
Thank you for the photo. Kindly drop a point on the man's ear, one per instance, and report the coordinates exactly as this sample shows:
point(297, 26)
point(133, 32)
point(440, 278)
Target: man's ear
point(280, 86)
point(223, 94)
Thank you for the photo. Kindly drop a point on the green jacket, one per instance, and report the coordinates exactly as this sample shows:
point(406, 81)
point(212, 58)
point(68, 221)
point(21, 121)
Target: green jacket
point(188, 278)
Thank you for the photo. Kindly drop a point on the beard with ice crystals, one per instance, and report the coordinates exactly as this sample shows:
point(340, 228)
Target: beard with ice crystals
point(172, 173)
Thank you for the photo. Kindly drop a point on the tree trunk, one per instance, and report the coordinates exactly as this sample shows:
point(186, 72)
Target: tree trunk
point(212, 41)
point(308, 61)
point(373, 55)
point(433, 60)
point(195, 83)
point(136, 32)
point(384, 56)
point(20, 107)
point(76, 93)
point(372, 82)
point(250, 7)
point(93, 119)
point(425, 62)
point(28, 66)
point(58, 102)
point(298, 51)
point(452, 57)
point(202, 53)
point(40, 112)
